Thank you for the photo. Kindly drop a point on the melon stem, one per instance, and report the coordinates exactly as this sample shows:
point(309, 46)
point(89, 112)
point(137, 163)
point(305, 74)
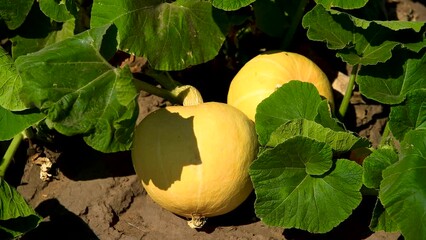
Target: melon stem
point(10, 152)
point(161, 92)
point(173, 91)
point(348, 94)
point(197, 221)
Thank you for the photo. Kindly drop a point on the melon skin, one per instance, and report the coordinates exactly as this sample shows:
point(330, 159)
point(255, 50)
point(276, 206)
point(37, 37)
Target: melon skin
point(194, 160)
point(266, 72)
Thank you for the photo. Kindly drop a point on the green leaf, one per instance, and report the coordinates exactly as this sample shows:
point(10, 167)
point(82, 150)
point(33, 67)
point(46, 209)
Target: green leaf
point(416, 46)
point(287, 196)
point(313, 155)
point(381, 221)
point(353, 4)
point(16, 216)
point(389, 82)
point(334, 29)
point(360, 41)
point(12, 123)
point(14, 12)
point(409, 115)
point(230, 5)
point(339, 141)
point(326, 119)
point(403, 188)
point(375, 163)
point(96, 100)
point(172, 35)
point(57, 32)
point(10, 83)
point(371, 46)
point(59, 11)
point(394, 25)
point(401, 25)
point(285, 104)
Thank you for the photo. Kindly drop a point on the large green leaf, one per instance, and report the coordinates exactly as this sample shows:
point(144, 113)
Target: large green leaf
point(16, 216)
point(12, 123)
point(409, 115)
point(287, 196)
point(394, 25)
point(284, 104)
point(342, 3)
point(57, 32)
point(339, 141)
point(14, 12)
point(372, 46)
point(59, 11)
point(403, 188)
point(172, 35)
point(10, 83)
point(360, 41)
point(389, 82)
point(230, 5)
point(80, 93)
point(335, 29)
point(375, 163)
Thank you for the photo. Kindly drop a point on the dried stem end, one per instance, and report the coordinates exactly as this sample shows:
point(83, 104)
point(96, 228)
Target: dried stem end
point(197, 221)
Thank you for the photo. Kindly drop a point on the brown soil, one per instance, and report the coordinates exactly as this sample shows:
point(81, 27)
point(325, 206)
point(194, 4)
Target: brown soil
point(98, 196)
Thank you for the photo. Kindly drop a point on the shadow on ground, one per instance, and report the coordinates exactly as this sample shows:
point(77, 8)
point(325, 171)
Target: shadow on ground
point(59, 223)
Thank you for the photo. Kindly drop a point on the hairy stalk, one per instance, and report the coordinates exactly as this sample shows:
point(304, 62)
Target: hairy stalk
point(10, 152)
point(163, 78)
point(166, 94)
point(295, 21)
point(348, 94)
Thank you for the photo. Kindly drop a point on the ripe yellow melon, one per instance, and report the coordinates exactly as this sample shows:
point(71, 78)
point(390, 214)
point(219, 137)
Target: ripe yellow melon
point(194, 160)
point(263, 74)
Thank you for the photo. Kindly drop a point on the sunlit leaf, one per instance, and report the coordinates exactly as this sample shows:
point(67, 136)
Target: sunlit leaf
point(375, 163)
point(59, 11)
point(403, 189)
point(339, 141)
point(172, 35)
point(97, 100)
point(287, 196)
point(16, 216)
point(231, 4)
point(389, 82)
point(272, 113)
point(360, 41)
point(409, 115)
point(10, 84)
point(342, 3)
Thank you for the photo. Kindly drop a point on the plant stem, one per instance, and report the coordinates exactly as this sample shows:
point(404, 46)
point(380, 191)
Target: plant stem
point(10, 152)
point(166, 94)
point(295, 21)
point(163, 78)
point(348, 94)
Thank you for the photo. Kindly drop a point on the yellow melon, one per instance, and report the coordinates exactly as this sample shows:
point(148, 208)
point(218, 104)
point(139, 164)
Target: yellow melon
point(194, 160)
point(263, 74)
